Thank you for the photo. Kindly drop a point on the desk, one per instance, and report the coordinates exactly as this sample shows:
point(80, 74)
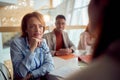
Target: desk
point(65, 67)
point(85, 58)
point(66, 57)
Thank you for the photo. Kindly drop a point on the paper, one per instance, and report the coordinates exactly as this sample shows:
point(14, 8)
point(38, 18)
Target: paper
point(58, 62)
point(64, 68)
point(66, 71)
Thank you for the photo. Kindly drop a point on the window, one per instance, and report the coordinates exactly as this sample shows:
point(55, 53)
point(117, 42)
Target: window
point(79, 14)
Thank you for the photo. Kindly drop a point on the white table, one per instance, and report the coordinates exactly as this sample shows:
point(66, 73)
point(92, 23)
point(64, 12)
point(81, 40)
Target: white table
point(64, 68)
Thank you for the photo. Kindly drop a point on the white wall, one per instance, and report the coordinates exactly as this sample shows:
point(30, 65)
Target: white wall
point(9, 1)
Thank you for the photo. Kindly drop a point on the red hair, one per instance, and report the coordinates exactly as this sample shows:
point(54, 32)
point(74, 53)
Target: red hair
point(27, 17)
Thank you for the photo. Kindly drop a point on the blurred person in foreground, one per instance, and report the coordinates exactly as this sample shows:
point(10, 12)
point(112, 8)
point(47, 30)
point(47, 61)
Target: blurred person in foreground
point(58, 40)
point(30, 54)
point(104, 15)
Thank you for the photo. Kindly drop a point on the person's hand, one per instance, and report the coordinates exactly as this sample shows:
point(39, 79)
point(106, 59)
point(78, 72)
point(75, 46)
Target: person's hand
point(34, 43)
point(27, 77)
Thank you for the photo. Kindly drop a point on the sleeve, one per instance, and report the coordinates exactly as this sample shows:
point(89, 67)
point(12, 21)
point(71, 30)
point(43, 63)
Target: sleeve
point(47, 37)
point(71, 45)
point(48, 64)
point(21, 62)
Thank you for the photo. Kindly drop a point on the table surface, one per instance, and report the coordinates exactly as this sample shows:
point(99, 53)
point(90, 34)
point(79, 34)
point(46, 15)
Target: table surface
point(66, 65)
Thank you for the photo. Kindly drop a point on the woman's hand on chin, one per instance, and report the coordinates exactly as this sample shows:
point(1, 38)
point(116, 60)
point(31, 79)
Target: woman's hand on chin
point(34, 43)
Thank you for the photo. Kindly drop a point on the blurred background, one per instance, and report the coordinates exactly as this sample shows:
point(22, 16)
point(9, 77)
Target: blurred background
point(12, 11)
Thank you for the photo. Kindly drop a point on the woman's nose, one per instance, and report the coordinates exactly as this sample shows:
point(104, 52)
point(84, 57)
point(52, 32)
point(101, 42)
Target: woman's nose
point(37, 28)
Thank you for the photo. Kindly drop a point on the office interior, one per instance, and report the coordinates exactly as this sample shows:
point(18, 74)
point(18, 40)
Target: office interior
point(12, 11)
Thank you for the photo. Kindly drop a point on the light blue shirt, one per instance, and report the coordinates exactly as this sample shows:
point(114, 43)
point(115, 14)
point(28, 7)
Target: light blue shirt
point(38, 63)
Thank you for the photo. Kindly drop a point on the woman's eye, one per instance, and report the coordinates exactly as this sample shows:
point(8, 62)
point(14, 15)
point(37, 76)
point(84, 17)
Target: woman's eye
point(40, 26)
point(31, 26)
